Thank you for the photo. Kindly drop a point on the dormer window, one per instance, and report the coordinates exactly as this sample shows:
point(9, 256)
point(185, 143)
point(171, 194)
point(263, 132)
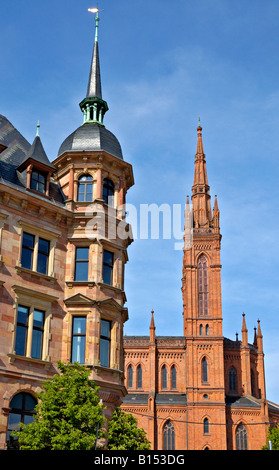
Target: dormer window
point(38, 181)
point(38, 168)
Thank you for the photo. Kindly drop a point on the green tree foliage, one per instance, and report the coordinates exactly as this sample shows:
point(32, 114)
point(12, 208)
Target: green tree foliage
point(273, 436)
point(68, 413)
point(124, 434)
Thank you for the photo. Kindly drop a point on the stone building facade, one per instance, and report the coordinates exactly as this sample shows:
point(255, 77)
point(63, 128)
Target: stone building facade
point(199, 390)
point(63, 250)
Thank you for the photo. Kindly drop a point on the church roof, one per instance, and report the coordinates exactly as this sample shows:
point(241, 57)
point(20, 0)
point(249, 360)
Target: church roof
point(160, 398)
point(242, 402)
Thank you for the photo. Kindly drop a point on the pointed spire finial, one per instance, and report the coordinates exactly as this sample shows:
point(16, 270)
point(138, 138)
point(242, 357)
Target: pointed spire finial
point(93, 106)
point(38, 127)
point(152, 328)
point(200, 150)
point(244, 331)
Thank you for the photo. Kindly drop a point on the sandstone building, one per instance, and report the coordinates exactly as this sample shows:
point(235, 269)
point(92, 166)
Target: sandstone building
point(63, 250)
point(62, 278)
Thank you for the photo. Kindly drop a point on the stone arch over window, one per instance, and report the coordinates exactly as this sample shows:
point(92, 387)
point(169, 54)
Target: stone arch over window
point(169, 436)
point(203, 285)
point(241, 437)
point(85, 188)
point(232, 379)
point(22, 410)
point(204, 369)
point(164, 376)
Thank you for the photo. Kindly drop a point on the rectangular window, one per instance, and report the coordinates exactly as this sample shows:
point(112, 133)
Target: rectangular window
point(33, 335)
point(105, 343)
point(21, 330)
point(78, 340)
point(38, 181)
point(32, 245)
point(37, 334)
point(81, 266)
point(107, 267)
point(28, 241)
point(43, 255)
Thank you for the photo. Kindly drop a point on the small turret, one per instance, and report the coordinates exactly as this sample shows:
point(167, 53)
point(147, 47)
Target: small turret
point(152, 328)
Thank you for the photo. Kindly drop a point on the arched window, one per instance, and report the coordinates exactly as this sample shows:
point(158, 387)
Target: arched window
point(241, 437)
point(22, 411)
point(204, 370)
point(169, 436)
point(130, 376)
point(85, 188)
point(207, 330)
point(108, 192)
point(139, 376)
point(203, 285)
point(206, 426)
point(173, 377)
point(164, 377)
point(232, 379)
point(201, 330)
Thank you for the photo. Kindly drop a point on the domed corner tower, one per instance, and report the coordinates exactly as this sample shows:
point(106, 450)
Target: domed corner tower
point(94, 179)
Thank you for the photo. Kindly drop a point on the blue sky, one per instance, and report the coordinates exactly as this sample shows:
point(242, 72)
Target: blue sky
point(165, 64)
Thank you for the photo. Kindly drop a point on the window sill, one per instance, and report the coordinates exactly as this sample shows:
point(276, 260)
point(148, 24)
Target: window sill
point(100, 369)
point(38, 193)
point(72, 284)
point(20, 269)
point(13, 357)
point(109, 286)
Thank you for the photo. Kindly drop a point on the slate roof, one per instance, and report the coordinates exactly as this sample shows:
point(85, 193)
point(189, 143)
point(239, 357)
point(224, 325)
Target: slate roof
point(94, 89)
point(15, 153)
point(92, 136)
point(37, 152)
point(242, 402)
point(160, 399)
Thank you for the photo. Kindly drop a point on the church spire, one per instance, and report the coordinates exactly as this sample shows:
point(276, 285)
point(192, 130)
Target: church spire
point(93, 106)
point(200, 190)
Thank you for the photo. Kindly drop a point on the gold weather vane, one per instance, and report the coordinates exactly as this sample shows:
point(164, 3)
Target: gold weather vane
point(93, 10)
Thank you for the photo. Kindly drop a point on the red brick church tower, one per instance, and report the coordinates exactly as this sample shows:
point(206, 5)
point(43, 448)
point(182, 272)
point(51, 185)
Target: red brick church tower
point(202, 310)
point(199, 391)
